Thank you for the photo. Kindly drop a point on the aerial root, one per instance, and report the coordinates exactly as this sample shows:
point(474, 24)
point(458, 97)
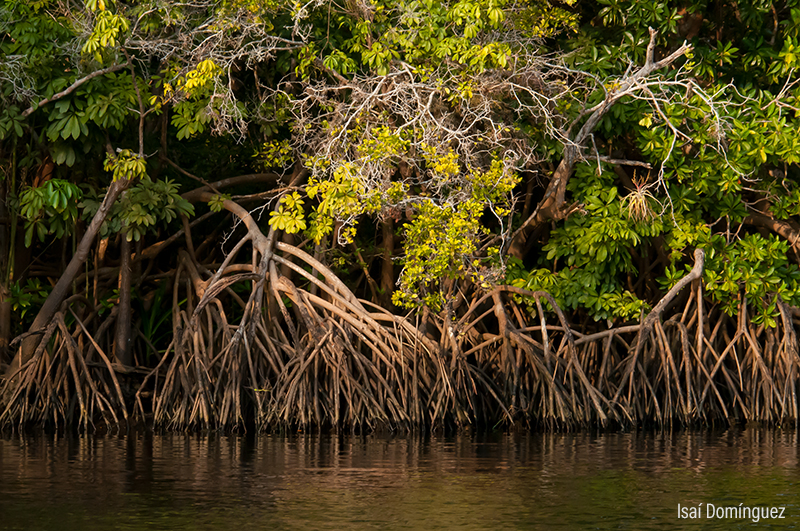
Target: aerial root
point(62, 385)
point(301, 350)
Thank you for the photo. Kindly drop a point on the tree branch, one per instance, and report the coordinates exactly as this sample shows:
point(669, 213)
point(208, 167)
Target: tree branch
point(251, 178)
point(780, 227)
point(63, 286)
point(552, 204)
point(647, 325)
point(69, 90)
point(694, 274)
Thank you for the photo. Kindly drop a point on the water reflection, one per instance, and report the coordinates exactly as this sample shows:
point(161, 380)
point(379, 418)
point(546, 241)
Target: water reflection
point(555, 481)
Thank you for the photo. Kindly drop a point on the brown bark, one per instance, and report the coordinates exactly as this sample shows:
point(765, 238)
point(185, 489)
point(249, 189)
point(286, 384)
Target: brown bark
point(780, 227)
point(655, 314)
point(552, 206)
point(198, 193)
point(72, 88)
point(63, 286)
point(5, 304)
point(695, 274)
point(122, 333)
point(288, 239)
point(387, 266)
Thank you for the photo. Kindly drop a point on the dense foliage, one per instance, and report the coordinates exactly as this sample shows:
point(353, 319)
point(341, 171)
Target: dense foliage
point(424, 152)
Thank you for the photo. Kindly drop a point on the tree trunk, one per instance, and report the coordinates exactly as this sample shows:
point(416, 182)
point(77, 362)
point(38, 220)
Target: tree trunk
point(5, 304)
point(387, 266)
point(62, 287)
point(122, 336)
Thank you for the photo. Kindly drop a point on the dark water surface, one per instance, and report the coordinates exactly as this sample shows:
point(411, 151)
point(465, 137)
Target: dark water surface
point(241, 483)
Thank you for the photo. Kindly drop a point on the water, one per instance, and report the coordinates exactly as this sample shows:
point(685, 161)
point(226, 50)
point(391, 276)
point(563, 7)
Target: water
point(241, 483)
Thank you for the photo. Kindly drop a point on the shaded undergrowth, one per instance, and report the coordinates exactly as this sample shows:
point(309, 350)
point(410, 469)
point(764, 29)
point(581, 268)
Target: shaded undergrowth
point(301, 350)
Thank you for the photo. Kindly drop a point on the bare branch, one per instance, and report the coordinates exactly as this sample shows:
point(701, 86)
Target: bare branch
point(69, 90)
point(552, 204)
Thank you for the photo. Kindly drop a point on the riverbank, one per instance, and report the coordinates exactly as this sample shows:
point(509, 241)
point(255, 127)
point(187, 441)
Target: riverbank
point(698, 367)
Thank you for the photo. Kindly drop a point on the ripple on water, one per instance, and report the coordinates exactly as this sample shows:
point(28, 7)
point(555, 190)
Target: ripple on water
point(554, 481)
